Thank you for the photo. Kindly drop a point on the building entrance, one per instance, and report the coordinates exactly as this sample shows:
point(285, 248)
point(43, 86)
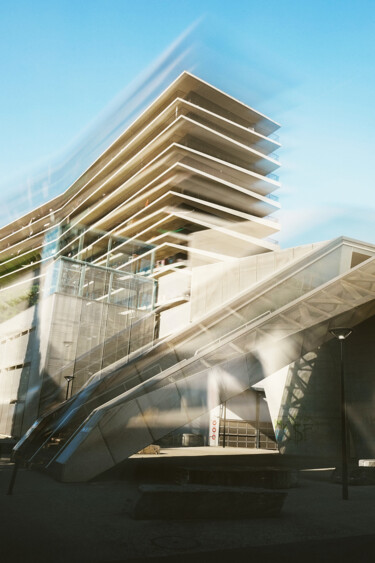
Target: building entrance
point(247, 434)
point(240, 433)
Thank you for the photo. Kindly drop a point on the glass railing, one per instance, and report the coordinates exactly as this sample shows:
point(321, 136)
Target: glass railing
point(273, 177)
point(98, 283)
point(274, 137)
point(271, 240)
point(274, 156)
point(273, 197)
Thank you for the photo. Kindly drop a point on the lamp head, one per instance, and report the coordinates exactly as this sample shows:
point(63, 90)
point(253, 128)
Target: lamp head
point(341, 333)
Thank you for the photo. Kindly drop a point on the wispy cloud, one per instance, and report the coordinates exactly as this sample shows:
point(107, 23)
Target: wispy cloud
point(315, 223)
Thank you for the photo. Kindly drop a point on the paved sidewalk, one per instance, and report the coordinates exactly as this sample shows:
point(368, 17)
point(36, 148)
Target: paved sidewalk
point(47, 521)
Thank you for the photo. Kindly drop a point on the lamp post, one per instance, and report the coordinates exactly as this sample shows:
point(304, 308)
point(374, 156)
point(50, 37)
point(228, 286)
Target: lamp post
point(342, 334)
point(68, 378)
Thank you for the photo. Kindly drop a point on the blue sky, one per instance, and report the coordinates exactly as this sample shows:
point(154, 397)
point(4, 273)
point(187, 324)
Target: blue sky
point(309, 65)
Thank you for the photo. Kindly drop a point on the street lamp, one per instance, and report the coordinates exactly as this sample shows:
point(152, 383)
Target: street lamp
point(68, 378)
point(342, 334)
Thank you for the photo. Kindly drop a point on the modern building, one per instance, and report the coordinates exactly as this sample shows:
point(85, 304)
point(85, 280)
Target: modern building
point(150, 303)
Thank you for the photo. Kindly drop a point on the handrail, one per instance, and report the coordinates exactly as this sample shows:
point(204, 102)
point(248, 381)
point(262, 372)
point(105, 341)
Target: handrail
point(56, 429)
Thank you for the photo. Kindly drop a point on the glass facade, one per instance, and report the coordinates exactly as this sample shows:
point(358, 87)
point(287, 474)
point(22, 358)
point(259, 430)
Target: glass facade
point(72, 320)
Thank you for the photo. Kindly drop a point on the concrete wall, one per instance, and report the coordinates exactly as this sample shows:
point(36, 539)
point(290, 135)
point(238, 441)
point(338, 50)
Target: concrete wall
point(19, 354)
point(173, 286)
point(174, 319)
point(309, 418)
point(243, 407)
